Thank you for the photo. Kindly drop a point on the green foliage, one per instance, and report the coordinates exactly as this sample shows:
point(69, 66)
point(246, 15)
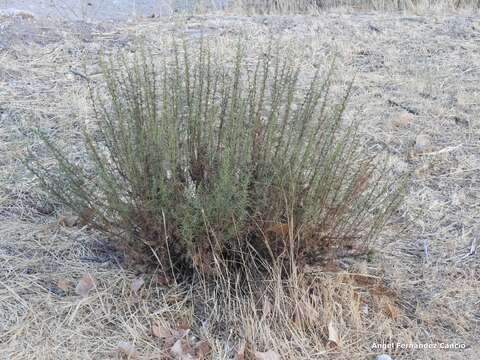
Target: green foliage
point(192, 161)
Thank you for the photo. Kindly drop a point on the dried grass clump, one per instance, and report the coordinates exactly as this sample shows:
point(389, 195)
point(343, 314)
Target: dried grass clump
point(194, 164)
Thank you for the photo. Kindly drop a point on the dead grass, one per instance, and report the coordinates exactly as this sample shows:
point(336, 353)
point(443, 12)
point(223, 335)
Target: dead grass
point(315, 6)
point(414, 76)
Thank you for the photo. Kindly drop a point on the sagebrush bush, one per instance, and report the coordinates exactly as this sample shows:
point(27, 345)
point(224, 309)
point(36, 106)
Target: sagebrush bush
point(192, 161)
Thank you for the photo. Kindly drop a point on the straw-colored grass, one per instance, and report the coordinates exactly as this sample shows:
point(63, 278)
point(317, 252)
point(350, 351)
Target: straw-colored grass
point(314, 6)
point(417, 87)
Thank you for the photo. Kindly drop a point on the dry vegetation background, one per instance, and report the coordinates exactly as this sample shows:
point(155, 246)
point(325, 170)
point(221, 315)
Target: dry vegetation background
point(417, 89)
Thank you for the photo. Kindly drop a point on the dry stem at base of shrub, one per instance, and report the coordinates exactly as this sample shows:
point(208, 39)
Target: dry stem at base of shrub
point(196, 163)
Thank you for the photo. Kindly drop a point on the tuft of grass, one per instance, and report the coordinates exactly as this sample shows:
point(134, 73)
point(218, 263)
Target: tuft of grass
point(194, 163)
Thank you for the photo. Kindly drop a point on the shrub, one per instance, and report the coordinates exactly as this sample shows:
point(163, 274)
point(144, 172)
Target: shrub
point(192, 161)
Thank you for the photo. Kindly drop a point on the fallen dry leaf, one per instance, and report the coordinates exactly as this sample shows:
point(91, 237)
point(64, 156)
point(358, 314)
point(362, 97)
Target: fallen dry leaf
point(181, 350)
point(68, 220)
point(86, 216)
point(161, 331)
point(392, 311)
point(333, 339)
point(159, 279)
point(332, 266)
point(364, 280)
point(202, 349)
point(137, 283)
point(63, 284)
point(84, 286)
point(267, 308)
point(127, 349)
point(402, 120)
point(183, 326)
point(269, 355)
point(240, 352)
point(279, 229)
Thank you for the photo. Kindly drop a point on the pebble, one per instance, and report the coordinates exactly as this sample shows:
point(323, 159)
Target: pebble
point(44, 208)
point(383, 357)
point(422, 143)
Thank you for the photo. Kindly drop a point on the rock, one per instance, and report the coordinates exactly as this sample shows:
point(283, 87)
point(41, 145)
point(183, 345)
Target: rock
point(461, 121)
point(400, 166)
point(383, 357)
point(422, 143)
point(44, 208)
point(3, 115)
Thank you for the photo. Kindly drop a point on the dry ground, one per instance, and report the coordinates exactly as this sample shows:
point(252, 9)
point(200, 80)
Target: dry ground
point(417, 89)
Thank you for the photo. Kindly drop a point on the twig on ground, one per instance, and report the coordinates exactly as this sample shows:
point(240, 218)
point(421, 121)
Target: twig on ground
point(79, 74)
point(406, 108)
point(442, 151)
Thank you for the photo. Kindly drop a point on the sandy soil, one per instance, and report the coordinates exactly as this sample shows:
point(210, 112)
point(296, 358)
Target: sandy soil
point(417, 89)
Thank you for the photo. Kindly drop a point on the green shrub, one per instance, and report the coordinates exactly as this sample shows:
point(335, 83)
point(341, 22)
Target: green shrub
point(192, 161)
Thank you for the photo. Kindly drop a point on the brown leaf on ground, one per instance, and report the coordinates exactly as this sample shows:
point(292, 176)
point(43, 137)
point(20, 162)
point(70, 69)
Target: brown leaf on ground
point(159, 279)
point(181, 350)
point(268, 355)
point(127, 349)
point(63, 284)
point(161, 331)
point(240, 351)
point(202, 349)
point(84, 286)
point(333, 338)
point(279, 229)
point(86, 216)
point(267, 308)
point(68, 220)
point(392, 311)
point(373, 284)
point(364, 280)
point(137, 283)
point(183, 326)
point(332, 266)
point(402, 120)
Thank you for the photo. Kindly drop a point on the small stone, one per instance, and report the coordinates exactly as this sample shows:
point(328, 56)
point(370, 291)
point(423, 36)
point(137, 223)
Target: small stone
point(383, 357)
point(461, 121)
point(401, 166)
point(4, 114)
point(422, 143)
point(44, 208)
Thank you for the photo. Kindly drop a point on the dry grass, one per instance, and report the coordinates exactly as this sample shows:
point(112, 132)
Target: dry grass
point(426, 263)
point(314, 6)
